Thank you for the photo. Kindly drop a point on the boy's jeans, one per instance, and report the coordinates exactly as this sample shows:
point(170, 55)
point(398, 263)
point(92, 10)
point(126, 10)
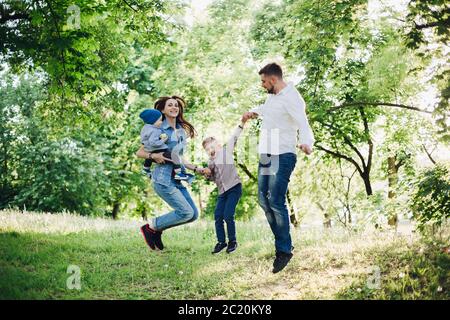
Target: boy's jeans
point(274, 172)
point(225, 210)
point(178, 197)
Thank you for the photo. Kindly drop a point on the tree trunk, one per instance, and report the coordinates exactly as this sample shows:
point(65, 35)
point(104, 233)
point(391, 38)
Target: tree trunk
point(392, 177)
point(200, 205)
point(326, 221)
point(144, 214)
point(392, 185)
point(326, 216)
point(5, 167)
point(115, 210)
point(292, 213)
point(367, 185)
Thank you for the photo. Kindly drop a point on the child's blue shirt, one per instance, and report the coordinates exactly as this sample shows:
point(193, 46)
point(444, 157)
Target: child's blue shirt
point(162, 173)
point(150, 138)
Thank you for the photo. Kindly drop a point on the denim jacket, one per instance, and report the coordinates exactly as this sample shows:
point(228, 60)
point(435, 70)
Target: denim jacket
point(162, 173)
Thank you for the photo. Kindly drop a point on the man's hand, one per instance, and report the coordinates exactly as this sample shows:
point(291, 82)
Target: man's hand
point(248, 115)
point(305, 148)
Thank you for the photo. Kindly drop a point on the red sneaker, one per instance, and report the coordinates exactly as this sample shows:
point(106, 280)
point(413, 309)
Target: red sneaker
point(149, 236)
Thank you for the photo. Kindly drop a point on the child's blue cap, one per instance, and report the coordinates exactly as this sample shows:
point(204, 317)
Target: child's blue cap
point(150, 116)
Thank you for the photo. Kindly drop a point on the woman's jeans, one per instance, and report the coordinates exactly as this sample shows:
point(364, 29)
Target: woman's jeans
point(178, 197)
point(274, 172)
point(225, 210)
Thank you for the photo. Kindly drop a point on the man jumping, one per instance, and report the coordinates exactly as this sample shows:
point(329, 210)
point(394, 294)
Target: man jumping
point(283, 115)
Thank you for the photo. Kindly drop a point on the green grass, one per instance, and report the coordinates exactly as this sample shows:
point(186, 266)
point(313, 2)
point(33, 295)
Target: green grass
point(36, 250)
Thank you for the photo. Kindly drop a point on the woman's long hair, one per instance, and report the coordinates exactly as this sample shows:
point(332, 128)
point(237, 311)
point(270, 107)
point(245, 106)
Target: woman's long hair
point(160, 104)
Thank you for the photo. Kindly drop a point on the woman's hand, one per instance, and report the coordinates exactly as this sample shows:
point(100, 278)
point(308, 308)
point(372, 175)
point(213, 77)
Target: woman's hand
point(206, 171)
point(158, 157)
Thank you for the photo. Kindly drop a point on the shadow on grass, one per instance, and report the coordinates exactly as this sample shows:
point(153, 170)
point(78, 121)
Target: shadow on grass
point(30, 264)
point(113, 266)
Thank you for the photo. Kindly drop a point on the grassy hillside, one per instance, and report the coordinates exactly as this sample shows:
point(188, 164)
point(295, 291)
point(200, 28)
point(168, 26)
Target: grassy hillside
point(37, 249)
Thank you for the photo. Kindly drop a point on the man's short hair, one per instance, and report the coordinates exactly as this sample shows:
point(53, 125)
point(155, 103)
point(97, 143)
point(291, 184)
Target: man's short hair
point(272, 69)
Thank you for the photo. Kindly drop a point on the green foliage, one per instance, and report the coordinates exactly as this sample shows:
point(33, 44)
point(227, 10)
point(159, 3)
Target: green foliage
point(211, 204)
point(422, 272)
point(60, 176)
point(84, 87)
point(332, 45)
point(430, 201)
point(114, 261)
point(84, 46)
point(427, 14)
point(51, 163)
point(428, 22)
point(248, 205)
point(19, 127)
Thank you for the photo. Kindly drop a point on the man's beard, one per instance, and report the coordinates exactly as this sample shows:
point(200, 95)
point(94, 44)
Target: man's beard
point(271, 90)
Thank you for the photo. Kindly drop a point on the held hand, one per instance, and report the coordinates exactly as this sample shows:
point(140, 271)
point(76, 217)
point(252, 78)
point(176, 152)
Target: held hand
point(305, 148)
point(198, 170)
point(206, 171)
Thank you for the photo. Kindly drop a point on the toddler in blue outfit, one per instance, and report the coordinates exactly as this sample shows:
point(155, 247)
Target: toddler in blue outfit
point(154, 140)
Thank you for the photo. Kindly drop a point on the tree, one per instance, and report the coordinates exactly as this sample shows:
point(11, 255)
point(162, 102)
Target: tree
point(335, 48)
point(428, 22)
point(43, 172)
point(82, 46)
point(211, 66)
point(430, 201)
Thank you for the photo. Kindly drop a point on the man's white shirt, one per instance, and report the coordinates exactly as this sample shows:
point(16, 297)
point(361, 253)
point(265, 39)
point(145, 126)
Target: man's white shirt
point(283, 116)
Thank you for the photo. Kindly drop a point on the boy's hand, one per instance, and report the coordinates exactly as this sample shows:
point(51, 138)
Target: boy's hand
point(163, 137)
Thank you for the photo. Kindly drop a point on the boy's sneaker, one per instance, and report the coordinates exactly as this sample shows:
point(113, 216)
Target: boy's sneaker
point(150, 236)
point(219, 247)
point(183, 176)
point(232, 245)
point(281, 261)
point(147, 172)
point(190, 179)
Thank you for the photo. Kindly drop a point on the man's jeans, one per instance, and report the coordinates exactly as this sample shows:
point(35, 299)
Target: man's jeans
point(274, 172)
point(225, 210)
point(178, 197)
